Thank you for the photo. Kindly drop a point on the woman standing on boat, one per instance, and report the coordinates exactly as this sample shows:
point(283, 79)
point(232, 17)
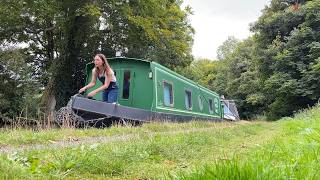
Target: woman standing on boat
point(105, 74)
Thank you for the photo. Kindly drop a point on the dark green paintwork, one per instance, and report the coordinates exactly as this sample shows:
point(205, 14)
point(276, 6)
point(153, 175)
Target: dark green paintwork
point(147, 92)
point(180, 84)
point(141, 94)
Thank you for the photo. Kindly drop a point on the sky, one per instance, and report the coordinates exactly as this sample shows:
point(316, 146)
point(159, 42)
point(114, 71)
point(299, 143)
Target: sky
point(215, 20)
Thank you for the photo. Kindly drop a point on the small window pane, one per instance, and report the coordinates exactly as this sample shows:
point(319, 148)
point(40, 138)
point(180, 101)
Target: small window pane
point(216, 105)
point(200, 103)
point(210, 106)
point(226, 110)
point(188, 101)
point(126, 85)
point(167, 94)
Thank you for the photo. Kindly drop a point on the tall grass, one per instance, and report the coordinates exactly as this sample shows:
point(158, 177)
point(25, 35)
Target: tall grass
point(24, 136)
point(293, 155)
point(149, 156)
point(286, 149)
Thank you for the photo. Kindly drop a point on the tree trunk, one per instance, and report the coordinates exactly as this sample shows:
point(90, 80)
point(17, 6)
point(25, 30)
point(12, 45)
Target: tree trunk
point(65, 71)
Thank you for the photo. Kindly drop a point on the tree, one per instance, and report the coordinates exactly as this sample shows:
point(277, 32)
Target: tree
point(157, 30)
point(237, 78)
point(288, 42)
point(18, 86)
point(62, 36)
point(276, 71)
point(202, 71)
point(227, 47)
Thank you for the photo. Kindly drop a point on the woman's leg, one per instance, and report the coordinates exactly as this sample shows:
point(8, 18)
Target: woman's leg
point(105, 95)
point(112, 95)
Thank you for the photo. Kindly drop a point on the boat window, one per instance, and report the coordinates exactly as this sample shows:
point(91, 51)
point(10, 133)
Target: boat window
point(210, 106)
point(188, 99)
point(200, 103)
point(126, 85)
point(216, 105)
point(167, 94)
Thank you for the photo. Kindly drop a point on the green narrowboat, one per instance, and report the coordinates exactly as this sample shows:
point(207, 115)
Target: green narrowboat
point(149, 91)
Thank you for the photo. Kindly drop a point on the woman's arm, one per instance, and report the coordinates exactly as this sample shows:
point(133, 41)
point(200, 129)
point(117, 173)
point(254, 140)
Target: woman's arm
point(92, 83)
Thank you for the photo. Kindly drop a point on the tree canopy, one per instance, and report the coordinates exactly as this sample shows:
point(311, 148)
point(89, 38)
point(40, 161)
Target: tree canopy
point(275, 72)
point(45, 45)
point(57, 38)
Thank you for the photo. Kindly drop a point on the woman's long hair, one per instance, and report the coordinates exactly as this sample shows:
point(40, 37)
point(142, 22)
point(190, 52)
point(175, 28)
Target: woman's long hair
point(105, 67)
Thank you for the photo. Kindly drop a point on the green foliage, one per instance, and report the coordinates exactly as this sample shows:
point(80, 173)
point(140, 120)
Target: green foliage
point(157, 30)
point(290, 38)
point(59, 37)
point(9, 100)
point(202, 71)
point(18, 89)
point(237, 78)
point(275, 72)
point(227, 47)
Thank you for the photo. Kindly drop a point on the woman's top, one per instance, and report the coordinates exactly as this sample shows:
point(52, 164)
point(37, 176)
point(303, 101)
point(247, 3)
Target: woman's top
point(102, 78)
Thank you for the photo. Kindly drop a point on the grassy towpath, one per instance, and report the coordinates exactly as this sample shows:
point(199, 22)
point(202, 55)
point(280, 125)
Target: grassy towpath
point(35, 141)
point(150, 151)
point(295, 154)
point(18, 137)
point(286, 149)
